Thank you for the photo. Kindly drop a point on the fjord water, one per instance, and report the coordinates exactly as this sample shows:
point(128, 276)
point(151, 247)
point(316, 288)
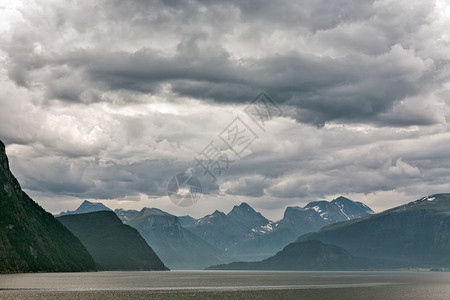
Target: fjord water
point(227, 285)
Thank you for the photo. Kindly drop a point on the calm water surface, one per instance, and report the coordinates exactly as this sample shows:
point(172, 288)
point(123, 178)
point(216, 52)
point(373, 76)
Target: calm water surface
point(227, 285)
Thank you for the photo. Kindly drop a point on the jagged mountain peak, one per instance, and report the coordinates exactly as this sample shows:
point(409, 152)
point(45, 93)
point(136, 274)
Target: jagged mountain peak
point(87, 203)
point(217, 213)
point(86, 207)
point(216, 216)
point(245, 210)
point(345, 200)
point(246, 216)
point(342, 198)
point(244, 205)
point(339, 209)
point(242, 208)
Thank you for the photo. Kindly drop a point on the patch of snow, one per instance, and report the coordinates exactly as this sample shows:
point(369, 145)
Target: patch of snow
point(341, 208)
point(317, 209)
point(268, 227)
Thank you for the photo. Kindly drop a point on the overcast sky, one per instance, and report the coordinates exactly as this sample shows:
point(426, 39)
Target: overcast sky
point(107, 100)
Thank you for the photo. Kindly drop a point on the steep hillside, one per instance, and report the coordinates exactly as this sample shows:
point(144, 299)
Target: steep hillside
point(112, 244)
point(32, 240)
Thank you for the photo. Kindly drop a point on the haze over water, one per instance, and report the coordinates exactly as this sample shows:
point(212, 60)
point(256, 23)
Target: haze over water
point(227, 285)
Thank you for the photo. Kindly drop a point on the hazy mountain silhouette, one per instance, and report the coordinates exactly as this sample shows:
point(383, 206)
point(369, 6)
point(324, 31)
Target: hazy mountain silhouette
point(112, 244)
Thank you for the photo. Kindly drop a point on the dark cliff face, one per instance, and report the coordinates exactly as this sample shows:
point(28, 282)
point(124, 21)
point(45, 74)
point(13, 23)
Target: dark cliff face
point(9, 182)
point(3, 157)
point(30, 238)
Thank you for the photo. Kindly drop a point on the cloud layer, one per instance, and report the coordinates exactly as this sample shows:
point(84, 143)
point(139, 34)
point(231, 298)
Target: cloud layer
point(109, 99)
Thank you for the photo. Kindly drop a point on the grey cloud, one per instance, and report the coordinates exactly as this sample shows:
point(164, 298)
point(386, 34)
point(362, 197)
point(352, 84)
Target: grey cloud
point(317, 15)
point(248, 186)
point(358, 83)
point(92, 179)
point(352, 88)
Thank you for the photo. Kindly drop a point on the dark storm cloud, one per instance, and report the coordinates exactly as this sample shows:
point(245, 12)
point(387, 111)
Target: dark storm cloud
point(355, 87)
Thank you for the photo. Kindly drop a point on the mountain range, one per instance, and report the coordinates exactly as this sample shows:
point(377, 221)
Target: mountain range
point(242, 234)
point(414, 235)
point(31, 239)
point(248, 236)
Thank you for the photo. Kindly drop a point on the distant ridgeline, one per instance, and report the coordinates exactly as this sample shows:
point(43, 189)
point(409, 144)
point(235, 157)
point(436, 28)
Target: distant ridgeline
point(32, 240)
point(247, 235)
point(189, 243)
